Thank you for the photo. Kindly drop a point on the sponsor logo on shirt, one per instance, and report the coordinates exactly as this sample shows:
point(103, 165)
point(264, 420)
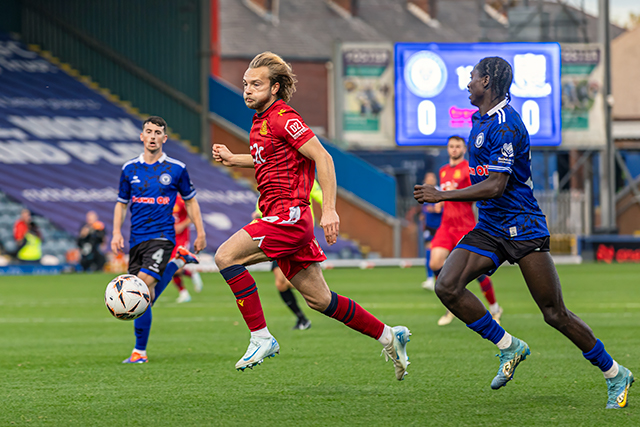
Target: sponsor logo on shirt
point(480, 170)
point(479, 140)
point(295, 128)
point(151, 200)
point(135, 180)
point(507, 150)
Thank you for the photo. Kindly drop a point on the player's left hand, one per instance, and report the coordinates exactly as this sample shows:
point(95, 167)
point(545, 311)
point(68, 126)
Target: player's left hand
point(426, 193)
point(330, 223)
point(200, 243)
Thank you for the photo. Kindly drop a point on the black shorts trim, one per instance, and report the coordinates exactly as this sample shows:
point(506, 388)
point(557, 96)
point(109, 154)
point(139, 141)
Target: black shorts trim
point(500, 249)
point(150, 257)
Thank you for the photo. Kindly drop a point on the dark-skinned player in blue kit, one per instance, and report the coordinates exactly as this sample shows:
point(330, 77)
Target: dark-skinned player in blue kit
point(511, 227)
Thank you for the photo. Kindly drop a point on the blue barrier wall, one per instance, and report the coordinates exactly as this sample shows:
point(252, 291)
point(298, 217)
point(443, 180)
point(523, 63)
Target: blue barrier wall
point(352, 173)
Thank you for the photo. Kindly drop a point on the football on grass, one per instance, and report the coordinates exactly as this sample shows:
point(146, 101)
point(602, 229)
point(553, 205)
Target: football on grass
point(127, 297)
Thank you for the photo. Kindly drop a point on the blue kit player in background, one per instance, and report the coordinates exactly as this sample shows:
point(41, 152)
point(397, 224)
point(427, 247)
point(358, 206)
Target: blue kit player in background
point(431, 215)
point(511, 227)
point(151, 183)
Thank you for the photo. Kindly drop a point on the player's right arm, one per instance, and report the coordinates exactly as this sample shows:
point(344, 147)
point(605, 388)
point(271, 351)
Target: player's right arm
point(490, 188)
point(223, 155)
point(119, 214)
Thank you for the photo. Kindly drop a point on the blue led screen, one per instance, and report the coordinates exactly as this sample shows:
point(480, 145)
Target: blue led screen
point(432, 101)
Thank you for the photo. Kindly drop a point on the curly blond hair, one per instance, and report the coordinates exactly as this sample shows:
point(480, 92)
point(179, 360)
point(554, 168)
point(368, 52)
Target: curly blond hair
point(279, 72)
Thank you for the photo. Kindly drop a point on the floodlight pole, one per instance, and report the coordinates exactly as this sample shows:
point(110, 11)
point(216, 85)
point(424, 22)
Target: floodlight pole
point(607, 158)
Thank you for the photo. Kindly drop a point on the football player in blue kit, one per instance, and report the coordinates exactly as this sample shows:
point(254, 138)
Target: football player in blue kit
point(150, 183)
point(511, 227)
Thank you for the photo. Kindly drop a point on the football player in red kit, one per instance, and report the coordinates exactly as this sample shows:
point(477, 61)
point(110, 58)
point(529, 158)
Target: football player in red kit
point(285, 154)
point(183, 238)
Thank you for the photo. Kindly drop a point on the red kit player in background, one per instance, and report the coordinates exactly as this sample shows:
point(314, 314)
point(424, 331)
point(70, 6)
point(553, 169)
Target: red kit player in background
point(457, 220)
point(183, 238)
point(285, 154)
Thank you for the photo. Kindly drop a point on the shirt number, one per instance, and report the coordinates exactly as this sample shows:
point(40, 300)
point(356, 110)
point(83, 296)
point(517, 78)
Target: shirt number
point(157, 256)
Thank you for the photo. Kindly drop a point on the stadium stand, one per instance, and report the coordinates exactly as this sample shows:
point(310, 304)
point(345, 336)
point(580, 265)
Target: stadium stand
point(62, 146)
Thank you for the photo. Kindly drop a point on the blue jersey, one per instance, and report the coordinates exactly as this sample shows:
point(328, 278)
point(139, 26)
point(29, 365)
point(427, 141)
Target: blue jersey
point(431, 219)
point(499, 142)
point(152, 191)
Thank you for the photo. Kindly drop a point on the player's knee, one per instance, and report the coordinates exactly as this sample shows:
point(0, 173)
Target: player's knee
point(318, 302)
point(446, 289)
point(282, 284)
point(222, 259)
point(555, 316)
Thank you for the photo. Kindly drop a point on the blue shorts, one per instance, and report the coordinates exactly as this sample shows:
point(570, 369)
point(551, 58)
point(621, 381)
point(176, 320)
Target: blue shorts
point(500, 249)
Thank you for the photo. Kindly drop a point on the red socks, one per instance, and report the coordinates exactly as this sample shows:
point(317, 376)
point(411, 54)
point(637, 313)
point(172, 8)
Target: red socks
point(246, 292)
point(487, 289)
point(354, 316)
point(178, 281)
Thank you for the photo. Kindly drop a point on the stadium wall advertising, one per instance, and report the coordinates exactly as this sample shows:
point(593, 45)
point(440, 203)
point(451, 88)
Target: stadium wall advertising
point(364, 94)
point(62, 146)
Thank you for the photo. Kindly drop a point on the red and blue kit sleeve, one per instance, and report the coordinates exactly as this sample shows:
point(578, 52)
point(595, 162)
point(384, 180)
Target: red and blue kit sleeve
point(290, 127)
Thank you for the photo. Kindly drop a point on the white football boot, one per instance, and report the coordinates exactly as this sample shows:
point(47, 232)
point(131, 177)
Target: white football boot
point(397, 350)
point(258, 350)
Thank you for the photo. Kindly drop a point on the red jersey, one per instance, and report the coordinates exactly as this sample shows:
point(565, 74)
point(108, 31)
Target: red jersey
point(457, 214)
point(285, 177)
point(180, 214)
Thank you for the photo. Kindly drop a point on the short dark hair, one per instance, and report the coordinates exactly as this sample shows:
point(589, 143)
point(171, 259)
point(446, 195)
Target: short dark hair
point(500, 75)
point(458, 137)
point(156, 120)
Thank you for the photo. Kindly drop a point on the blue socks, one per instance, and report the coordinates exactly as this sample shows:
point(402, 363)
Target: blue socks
point(142, 325)
point(488, 328)
point(142, 328)
point(599, 357)
point(426, 265)
point(169, 271)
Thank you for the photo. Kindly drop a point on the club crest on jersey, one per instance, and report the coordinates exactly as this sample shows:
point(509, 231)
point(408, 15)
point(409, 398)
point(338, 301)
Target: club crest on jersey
point(295, 128)
point(479, 140)
point(165, 179)
point(457, 174)
point(263, 128)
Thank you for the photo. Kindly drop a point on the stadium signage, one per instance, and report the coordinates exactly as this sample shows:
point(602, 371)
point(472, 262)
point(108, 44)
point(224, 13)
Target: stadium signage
point(432, 100)
point(62, 147)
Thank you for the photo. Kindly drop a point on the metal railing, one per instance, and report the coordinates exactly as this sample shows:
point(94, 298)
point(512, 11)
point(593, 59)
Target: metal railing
point(566, 211)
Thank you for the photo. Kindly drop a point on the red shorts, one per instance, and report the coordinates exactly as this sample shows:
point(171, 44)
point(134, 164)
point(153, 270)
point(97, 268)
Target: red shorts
point(447, 237)
point(288, 238)
point(180, 242)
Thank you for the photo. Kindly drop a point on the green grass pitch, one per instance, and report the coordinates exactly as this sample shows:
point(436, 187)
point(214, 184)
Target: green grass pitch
point(61, 353)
